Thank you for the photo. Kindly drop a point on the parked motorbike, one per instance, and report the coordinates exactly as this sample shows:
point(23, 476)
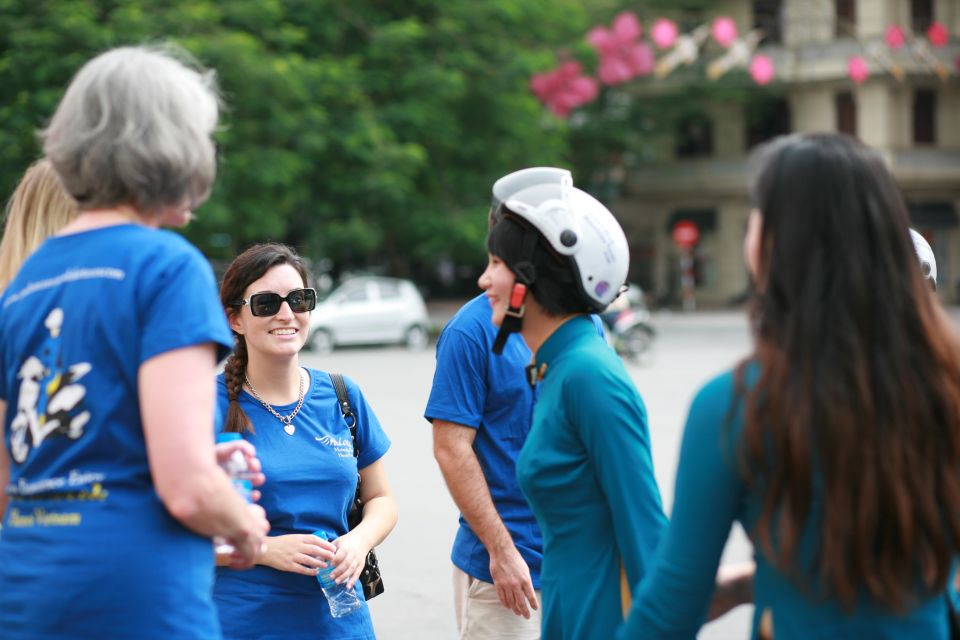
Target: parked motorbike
point(627, 322)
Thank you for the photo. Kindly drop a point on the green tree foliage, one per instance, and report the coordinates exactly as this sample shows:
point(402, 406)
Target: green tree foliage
point(366, 132)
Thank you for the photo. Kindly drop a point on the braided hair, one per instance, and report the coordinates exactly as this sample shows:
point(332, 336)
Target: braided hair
point(234, 373)
point(246, 268)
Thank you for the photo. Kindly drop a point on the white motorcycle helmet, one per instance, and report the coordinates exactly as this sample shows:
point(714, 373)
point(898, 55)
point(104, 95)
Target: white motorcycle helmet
point(928, 263)
point(577, 226)
point(524, 178)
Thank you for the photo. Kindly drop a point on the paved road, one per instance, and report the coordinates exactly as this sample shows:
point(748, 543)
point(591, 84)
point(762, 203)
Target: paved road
point(417, 604)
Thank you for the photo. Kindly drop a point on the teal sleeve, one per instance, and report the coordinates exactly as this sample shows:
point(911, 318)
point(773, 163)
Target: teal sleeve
point(612, 421)
point(673, 598)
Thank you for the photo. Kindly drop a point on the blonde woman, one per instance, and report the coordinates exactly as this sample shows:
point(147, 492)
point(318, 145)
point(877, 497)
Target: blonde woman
point(38, 209)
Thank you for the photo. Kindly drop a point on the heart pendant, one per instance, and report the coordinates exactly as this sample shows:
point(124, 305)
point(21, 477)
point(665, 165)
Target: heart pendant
point(289, 428)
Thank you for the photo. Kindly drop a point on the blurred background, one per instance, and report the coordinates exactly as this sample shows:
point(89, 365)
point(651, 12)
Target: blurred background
point(367, 134)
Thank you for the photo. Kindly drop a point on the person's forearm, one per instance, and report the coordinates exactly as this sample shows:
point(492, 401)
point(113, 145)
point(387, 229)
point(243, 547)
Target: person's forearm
point(734, 587)
point(471, 494)
point(176, 390)
point(379, 519)
point(209, 505)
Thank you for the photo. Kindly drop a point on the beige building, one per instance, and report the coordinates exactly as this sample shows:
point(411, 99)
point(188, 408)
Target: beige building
point(700, 172)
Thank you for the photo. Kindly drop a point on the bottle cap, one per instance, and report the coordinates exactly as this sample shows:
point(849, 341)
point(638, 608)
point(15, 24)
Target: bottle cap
point(228, 436)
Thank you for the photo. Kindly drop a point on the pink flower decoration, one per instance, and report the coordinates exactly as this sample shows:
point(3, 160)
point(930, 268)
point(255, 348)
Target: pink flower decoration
point(857, 69)
point(564, 89)
point(761, 69)
point(622, 56)
point(938, 35)
point(894, 37)
point(664, 33)
point(643, 60)
point(626, 26)
point(724, 31)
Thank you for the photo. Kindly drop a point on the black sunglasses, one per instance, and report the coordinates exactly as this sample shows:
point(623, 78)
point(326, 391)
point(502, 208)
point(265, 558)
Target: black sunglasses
point(268, 304)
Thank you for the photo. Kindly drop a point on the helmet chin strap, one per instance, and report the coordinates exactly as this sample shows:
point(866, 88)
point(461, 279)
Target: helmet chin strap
point(526, 275)
point(512, 318)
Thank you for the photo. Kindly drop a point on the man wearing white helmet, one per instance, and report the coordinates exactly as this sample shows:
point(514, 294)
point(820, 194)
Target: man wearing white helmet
point(480, 406)
point(586, 468)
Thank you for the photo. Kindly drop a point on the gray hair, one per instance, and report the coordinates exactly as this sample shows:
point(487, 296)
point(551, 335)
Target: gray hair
point(134, 128)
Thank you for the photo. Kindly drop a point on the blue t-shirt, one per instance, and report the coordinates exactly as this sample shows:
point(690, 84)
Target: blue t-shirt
point(587, 470)
point(311, 482)
point(710, 495)
point(475, 388)
point(88, 550)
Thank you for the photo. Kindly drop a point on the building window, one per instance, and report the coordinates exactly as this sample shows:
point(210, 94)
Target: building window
point(924, 116)
point(767, 119)
point(766, 16)
point(921, 15)
point(936, 214)
point(846, 18)
point(694, 136)
point(846, 113)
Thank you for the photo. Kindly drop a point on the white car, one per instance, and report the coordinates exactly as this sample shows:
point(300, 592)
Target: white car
point(370, 310)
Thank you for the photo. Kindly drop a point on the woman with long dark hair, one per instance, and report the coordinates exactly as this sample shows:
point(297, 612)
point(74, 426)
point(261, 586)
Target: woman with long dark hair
point(837, 441)
point(292, 414)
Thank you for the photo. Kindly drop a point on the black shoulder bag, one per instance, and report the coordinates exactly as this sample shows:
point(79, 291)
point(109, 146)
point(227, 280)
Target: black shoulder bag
point(370, 577)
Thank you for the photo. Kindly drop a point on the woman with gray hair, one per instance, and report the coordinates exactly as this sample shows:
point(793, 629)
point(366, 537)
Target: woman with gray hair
point(109, 339)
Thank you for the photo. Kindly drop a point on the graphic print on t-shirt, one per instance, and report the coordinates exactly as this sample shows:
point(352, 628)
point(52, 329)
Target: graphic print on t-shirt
point(50, 402)
point(342, 446)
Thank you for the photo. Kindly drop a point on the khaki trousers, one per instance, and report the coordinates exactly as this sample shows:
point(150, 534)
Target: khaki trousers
point(481, 616)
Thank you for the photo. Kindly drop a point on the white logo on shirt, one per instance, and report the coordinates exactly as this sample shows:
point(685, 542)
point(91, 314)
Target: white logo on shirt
point(343, 446)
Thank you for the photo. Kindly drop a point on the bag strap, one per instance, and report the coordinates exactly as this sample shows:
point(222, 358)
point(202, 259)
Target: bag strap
point(343, 401)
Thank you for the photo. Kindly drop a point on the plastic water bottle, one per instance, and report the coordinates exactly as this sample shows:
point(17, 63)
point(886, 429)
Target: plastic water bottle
point(342, 601)
point(235, 467)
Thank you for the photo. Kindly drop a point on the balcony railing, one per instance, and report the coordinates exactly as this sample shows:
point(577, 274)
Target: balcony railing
point(912, 168)
point(718, 177)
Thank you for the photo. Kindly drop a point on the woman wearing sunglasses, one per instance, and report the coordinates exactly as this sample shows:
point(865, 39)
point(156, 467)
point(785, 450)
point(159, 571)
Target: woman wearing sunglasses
point(292, 415)
point(109, 338)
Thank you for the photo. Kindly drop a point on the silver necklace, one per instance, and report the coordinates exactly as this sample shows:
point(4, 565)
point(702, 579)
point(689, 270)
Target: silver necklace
point(286, 420)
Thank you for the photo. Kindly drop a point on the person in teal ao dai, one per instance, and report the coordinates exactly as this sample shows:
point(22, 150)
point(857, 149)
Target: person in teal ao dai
point(556, 255)
point(836, 442)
